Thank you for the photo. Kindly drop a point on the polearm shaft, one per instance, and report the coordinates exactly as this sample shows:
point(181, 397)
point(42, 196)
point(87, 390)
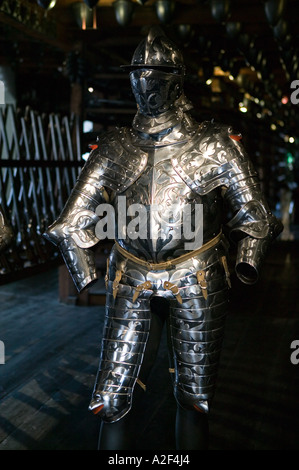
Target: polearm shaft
point(70, 147)
point(48, 171)
point(78, 137)
point(55, 156)
point(41, 183)
point(62, 153)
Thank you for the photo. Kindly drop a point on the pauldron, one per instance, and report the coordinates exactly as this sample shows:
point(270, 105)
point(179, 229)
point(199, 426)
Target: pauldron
point(211, 157)
point(115, 163)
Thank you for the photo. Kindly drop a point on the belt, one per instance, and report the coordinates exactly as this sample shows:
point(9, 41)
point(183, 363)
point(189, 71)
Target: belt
point(168, 264)
point(172, 262)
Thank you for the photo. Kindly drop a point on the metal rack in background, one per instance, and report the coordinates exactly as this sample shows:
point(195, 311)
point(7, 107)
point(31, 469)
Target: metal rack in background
point(40, 159)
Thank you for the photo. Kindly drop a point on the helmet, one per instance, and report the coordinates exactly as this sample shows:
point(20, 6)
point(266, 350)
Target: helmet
point(156, 74)
point(157, 51)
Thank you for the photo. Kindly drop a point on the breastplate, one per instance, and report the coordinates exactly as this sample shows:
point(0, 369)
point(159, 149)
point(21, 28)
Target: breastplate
point(159, 217)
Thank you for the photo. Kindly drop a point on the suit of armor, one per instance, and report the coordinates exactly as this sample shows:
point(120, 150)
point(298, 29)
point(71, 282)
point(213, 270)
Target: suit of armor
point(185, 171)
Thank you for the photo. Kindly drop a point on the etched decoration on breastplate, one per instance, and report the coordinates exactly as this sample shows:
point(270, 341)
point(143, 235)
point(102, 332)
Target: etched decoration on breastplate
point(167, 203)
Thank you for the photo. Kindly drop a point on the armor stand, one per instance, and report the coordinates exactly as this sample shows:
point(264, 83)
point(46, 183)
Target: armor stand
point(192, 430)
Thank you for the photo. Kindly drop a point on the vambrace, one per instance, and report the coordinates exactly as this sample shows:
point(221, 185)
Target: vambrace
point(253, 226)
point(80, 263)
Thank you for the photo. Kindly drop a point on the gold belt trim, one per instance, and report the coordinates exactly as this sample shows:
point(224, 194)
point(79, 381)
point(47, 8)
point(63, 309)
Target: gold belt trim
point(172, 262)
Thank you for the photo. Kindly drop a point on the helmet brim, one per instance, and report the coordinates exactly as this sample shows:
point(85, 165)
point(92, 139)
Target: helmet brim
point(152, 67)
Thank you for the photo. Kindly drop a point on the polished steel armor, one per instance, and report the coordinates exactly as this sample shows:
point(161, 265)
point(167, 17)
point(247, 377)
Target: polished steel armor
point(6, 232)
point(167, 160)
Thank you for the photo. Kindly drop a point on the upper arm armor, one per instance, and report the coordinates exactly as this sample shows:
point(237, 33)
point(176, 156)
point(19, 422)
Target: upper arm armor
point(110, 167)
point(216, 158)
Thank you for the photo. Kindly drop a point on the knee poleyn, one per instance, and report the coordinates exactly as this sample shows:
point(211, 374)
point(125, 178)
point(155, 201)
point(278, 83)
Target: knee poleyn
point(186, 400)
point(110, 407)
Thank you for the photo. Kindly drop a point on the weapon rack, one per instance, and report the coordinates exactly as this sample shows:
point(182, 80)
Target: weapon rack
point(40, 158)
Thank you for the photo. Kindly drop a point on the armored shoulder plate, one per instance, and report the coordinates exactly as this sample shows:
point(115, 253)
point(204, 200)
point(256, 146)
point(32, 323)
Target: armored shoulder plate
point(114, 162)
point(213, 158)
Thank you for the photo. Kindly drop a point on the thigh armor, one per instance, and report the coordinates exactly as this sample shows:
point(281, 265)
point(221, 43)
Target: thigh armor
point(196, 288)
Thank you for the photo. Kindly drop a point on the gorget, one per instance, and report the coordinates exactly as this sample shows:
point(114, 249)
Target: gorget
point(180, 133)
point(168, 120)
point(156, 124)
